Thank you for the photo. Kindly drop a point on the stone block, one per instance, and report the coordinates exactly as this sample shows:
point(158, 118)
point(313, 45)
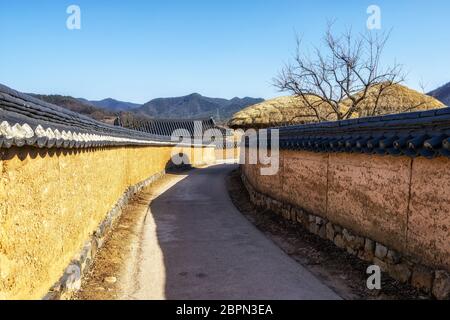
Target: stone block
point(369, 246)
point(441, 285)
point(301, 217)
point(330, 231)
point(286, 214)
point(400, 272)
point(383, 265)
point(71, 280)
point(320, 221)
point(347, 235)
point(337, 229)
point(323, 232)
point(294, 216)
point(339, 241)
point(99, 242)
point(380, 251)
point(314, 228)
point(361, 256)
point(359, 242)
point(422, 278)
point(84, 257)
point(94, 247)
point(368, 253)
point(393, 257)
point(354, 243)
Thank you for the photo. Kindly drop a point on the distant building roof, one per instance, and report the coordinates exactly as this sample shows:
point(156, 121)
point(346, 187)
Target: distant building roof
point(166, 127)
point(195, 127)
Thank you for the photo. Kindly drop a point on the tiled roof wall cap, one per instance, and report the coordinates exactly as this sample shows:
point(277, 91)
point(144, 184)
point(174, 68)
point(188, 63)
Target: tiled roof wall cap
point(25, 120)
point(415, 134)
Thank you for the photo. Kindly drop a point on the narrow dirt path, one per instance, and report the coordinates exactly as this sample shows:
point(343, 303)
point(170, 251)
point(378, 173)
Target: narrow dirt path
point(192, 243)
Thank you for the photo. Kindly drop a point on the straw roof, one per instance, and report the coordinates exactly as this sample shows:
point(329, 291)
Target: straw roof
point(293, 110)
point(394, 99)
point(279, 112)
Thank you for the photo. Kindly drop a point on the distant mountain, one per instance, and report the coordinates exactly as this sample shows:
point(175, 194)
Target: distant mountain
point(113, 105)
point(195, 106)
point(79, 106)
point(442, 94)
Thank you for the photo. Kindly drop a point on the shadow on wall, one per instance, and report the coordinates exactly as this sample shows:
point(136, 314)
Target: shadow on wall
point(29, 152)
point(25, 153)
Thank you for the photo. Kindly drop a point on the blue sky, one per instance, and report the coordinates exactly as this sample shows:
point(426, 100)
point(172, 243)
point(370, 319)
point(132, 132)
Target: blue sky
point(139, 50)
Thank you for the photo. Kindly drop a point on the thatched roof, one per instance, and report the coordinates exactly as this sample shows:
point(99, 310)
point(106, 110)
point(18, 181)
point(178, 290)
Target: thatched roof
point(395, 98)
point(278, 112)
point(293, 110)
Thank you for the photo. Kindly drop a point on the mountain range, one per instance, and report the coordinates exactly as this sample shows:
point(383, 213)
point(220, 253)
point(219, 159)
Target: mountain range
point(112, 104)
point(442, 94)
point(193, 106)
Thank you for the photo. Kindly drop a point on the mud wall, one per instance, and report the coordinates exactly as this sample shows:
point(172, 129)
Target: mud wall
point(228, 154)
point(51, 201)
point(396, 201)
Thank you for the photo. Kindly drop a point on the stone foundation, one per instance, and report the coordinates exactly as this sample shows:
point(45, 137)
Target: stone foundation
point(400, 267)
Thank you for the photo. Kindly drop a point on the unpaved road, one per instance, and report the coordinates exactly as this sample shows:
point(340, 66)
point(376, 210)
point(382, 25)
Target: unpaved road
point(192, 243)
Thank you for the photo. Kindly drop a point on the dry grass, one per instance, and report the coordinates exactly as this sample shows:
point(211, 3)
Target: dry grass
point(277, 112)
point(293, 110)
point(395, 99)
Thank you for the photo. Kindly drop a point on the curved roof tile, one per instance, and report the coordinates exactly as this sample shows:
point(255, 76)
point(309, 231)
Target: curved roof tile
point(25, 120)
point(425, 134)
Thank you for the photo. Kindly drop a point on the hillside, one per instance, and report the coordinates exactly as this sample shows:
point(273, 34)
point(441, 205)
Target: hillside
point(442, 94)
point(76, 105)
point(113, 105)
point(195, 106)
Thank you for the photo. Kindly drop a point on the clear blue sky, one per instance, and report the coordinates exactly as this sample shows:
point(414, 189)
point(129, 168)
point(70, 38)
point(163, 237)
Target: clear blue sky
point(138, 50)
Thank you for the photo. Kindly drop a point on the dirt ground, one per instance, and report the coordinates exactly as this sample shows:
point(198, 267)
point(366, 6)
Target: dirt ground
point(108, 277)
point(344, 273)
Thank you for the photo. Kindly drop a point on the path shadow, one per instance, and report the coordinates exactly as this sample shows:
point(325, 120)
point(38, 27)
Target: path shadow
point(178, 164)
point(210, 251)
point(187, 232)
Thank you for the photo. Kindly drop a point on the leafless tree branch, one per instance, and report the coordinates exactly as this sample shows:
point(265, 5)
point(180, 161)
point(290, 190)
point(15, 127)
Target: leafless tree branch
point(347, 68)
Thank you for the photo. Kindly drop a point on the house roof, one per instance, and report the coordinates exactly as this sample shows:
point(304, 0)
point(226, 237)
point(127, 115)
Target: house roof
point(166, 127)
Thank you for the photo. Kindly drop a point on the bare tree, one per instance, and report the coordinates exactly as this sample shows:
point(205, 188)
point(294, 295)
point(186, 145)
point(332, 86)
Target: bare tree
point(348, 69)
